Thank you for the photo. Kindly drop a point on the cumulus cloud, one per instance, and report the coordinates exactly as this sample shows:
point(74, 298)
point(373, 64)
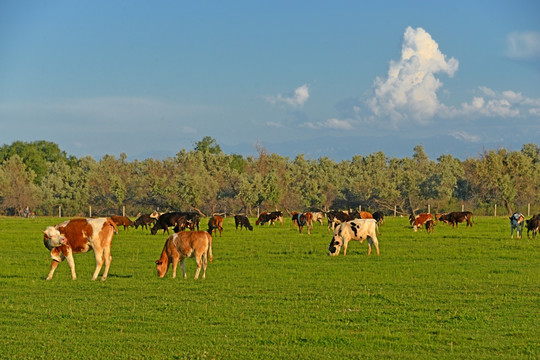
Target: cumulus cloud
point(490, 103)
point(410, 89)
point(523, 45)
point(336, 124)
point(297, 99)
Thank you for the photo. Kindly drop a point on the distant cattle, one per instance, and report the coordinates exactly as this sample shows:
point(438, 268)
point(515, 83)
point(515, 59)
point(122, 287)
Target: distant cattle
point(78, 236)
point(533, 224)
point(243, 221)
point(144, 221)
point(430, 225)
point(182, 245)
point(214, 224)
point(456, 217)
point(304, 219)
point(335, 218)
point(358, 229)
point(181, 224)
point(379, 217)
point(517, 220)
point(420, 220)
point(270, 218)
point(165, 221)
point(318, 217)
point(122, 221)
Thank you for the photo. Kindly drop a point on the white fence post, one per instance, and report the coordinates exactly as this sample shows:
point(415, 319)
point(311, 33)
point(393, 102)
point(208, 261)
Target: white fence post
point(90, 210)
point(462, 207)
point(60, 211)
point(495, 210)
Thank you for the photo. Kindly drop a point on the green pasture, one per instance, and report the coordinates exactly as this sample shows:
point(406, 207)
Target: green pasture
point(275, 294)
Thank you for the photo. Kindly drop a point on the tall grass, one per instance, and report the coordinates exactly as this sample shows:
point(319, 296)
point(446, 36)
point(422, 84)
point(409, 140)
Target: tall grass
point(274, 293)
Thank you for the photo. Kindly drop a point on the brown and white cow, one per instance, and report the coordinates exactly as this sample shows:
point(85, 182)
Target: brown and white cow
point(318, 217)
point(78, 236)
point(358, 229)
point(420, 220)
point(182, 245)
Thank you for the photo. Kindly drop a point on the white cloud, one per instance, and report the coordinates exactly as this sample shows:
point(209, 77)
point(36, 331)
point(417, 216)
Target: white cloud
point(523, 45)
point(463, 135)
point(274, 124)
point(491, 103)
point(300, 96)
point(410, 88)
point(330, 124)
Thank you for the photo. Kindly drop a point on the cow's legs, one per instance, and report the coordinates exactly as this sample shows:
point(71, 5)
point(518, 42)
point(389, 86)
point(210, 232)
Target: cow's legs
point(183, 265)
point(99, 263)
point(375, 242)
point(174, 266)
point(107, 258)
point(345, 244)
point(54, 264)
point(199, 264)
point(204, 263)
point(71, 263)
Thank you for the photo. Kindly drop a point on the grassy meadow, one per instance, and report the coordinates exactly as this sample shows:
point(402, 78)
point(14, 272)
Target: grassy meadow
point(274, 293)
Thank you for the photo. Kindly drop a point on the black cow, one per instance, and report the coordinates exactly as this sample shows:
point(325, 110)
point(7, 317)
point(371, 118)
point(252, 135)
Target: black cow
point(144, 221)
point(533, 224)
point(335, 218)
point(456, 217)
point(243, 221)
point(379, 216)
point(165, 221)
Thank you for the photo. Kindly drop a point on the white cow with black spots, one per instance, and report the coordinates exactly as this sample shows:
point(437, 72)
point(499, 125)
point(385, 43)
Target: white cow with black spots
point(358, 229)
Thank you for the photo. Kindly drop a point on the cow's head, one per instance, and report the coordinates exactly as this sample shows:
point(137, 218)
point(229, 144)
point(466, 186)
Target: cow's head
point(52, 238)
point(162, 267)
point(335, 245)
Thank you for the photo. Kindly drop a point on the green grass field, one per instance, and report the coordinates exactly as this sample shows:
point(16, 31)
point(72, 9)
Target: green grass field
point(274, 293)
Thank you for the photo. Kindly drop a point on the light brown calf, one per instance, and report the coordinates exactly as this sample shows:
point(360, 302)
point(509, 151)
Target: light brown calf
point(179, 246)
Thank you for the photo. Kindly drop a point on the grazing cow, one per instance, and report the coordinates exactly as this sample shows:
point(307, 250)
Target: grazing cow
point(336, 218)
point(517, 220)
point(242, 220)
point(358, 229)
point(379, 216)
point(214, 224)
point(181, 224)
point(144, 221)
point(304, 219)
point(430, 225)
point(270, 218)
point(420, 220)
point(533, 224)
point(165, 221)
point(182, 245)
point(318, 217)
point(122, 221)
point(456, 217)
point(78, 236)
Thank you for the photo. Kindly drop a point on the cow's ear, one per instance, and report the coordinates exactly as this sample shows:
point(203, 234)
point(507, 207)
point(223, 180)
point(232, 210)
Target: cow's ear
point(44, 233)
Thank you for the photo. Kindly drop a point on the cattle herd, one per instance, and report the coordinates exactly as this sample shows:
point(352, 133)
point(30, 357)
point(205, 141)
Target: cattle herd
point(81, 235)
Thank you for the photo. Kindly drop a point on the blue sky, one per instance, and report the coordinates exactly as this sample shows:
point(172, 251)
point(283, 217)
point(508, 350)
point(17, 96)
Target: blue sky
point(319, 78)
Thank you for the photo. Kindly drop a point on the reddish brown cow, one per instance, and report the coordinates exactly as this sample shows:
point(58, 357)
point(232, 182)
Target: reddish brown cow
point(79, 236)
point(179, 246)
point(122, 221)
point(214, 224)
point(420, 220)
point(304, 219)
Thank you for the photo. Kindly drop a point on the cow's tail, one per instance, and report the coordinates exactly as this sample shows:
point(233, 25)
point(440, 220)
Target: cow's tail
point(210, 255)
point(113, 224)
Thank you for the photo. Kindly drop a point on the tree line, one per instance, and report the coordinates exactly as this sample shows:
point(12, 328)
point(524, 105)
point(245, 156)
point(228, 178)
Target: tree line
point(43, 177)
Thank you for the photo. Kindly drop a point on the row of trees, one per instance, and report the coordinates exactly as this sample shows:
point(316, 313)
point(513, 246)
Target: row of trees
point(43, 177)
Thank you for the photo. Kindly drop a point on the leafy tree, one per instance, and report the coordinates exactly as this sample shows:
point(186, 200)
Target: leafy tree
point(17, 188)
